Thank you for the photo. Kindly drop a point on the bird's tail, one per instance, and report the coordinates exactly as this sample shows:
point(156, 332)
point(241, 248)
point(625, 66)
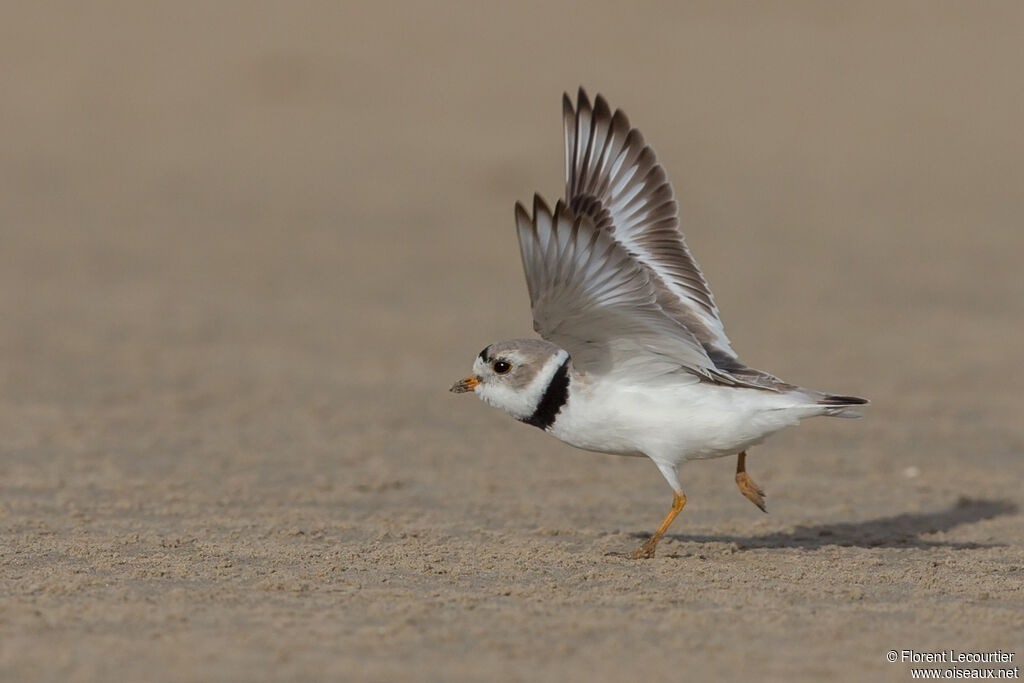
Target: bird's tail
point(841, 406)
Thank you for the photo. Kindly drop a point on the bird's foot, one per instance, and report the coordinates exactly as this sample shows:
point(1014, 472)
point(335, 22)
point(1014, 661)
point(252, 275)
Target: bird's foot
point(750, 490)
point(646, 551)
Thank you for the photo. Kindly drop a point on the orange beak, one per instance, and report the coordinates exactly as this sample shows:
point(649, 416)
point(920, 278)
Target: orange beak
point(468, 384)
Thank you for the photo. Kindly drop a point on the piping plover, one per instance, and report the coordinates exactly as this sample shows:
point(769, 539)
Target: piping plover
point(635, 360)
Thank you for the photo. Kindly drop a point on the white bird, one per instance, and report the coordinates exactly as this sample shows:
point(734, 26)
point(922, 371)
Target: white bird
point(636, 361)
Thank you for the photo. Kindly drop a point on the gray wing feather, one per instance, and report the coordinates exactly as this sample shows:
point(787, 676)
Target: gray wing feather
point(614, 178)
point(592, 298)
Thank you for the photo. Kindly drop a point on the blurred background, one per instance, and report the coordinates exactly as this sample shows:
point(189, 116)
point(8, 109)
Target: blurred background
point(246, 247)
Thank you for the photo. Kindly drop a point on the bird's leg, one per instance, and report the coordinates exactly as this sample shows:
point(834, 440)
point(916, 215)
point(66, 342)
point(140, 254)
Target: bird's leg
point(647, 549)
point(747, 486)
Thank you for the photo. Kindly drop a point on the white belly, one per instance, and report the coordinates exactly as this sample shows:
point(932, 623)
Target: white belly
point(673, 422)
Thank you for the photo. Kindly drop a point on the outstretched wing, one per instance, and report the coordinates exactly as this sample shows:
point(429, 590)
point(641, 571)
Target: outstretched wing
point(613, 176)
point(592, 298)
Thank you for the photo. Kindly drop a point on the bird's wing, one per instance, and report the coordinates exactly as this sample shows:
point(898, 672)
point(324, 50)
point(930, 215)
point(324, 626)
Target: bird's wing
point(613, 176)
point(592, 298)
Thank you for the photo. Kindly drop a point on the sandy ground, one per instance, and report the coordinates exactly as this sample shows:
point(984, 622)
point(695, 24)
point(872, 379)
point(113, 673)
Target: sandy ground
point(246, 248)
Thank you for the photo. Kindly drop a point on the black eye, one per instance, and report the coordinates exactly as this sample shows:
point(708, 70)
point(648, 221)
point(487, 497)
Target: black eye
point(501, 367)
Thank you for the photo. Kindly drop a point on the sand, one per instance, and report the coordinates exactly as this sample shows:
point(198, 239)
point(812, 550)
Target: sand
point(245, 248)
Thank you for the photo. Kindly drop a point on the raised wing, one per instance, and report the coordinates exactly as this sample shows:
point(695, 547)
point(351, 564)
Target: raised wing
point(592, 298)
point(613, 176)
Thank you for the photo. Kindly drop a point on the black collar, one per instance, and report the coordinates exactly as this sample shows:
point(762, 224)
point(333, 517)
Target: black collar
point(555, 396)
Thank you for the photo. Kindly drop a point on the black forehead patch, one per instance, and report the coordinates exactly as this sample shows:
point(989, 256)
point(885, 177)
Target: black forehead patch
point(483, 354)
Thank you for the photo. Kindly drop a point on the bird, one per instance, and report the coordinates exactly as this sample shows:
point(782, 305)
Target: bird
point(633, 357)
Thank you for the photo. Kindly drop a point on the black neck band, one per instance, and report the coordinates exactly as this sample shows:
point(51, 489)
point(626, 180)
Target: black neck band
point(553, 399)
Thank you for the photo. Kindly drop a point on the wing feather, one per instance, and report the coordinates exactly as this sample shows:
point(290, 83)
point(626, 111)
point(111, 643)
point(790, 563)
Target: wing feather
point(595, 300)
point(614, 178)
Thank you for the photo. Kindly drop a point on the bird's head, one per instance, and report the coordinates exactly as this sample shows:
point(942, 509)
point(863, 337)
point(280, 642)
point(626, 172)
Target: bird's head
point(514, 375)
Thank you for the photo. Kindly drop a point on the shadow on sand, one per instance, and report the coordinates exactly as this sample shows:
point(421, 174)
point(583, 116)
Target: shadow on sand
point(899, 531)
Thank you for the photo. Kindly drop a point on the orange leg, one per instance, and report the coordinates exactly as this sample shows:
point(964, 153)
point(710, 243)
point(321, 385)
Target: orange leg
point(747, 486)
point(647, 549)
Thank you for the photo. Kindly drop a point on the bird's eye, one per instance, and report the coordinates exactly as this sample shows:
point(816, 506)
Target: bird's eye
point(501, 367)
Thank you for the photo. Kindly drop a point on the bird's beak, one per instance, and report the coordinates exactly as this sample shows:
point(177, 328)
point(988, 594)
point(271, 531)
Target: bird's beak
point(464, 385)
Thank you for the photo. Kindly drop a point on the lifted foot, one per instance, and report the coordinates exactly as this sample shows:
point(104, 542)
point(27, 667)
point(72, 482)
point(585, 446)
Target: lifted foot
point(748, 488)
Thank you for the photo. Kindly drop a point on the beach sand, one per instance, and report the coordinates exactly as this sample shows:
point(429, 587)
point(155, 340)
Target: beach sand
point(245, 248)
